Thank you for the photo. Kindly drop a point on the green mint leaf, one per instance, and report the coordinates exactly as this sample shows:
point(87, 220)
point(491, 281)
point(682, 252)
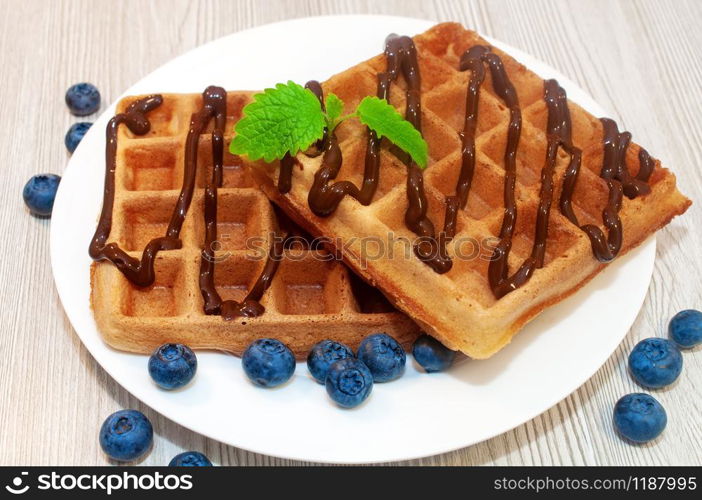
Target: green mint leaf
point(285, 119)
point(382, 118)
point(334, 107)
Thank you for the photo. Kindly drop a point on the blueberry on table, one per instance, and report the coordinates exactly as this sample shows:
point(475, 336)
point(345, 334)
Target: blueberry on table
point(686, 328)
point(172, 366)
point(323, 354)
point(75, 135)
point(349, 382)
point(39, 193)
point(268, 362)
point(431, 354)
point(82, 99)
point(639, 417)
point(190, 459)
point(126, 435)
point(655, 362)
point(383, 355)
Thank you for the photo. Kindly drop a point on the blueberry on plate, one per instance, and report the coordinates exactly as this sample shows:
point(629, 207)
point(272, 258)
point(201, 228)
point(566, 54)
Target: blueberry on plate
point(39, 193)
point(323, 354)
point(383, 355)
point(75, 135)
point(172, 366)
point(268, 362)
point(686, 328)
point(431, 354)
point(655, 362)
point(82, 99)
point(190, 459)
point(126, 435)
point(639, 417)
point(349, 382)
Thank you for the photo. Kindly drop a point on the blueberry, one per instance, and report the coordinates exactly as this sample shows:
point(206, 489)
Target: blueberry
point(431, 354)
point(686, 328)
point(82, 99)
point(383, 356)
point(126, 435)
point(655, 362)
point(323, 354)
point(639, 417)
point(349, 382)
point(190, 459)
point(172, 366)
point(75, 135)
point(39, 193)
point(268, 362)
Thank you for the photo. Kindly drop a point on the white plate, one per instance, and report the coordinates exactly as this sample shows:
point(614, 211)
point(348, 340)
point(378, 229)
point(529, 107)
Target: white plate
point(419, 414)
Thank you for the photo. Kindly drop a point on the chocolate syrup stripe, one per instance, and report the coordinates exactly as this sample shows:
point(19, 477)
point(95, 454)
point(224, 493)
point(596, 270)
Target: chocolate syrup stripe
point(559, 133)
point(619, 183)
point(498, 270)
point(213, 304)
point(323, 197)
point(250, 306)
point(457, 202)
point(231, 309)
point(209, 293)
point(141, 272)
point(401, 56)
point(616, 175)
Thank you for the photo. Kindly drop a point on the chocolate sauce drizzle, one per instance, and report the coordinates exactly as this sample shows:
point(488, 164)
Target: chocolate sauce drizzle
point(138, 271)
point(250, 306)
point(401, 55)
point(472, 61)
point(498, 271)
point(559, 135)
point(323, 197)
point(141, 272)
point(285, 173)
point(228, 309)
point(615, 174)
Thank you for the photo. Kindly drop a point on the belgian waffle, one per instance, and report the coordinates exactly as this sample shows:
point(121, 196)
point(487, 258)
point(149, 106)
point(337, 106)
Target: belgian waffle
point(310, 298)
point(459, 306)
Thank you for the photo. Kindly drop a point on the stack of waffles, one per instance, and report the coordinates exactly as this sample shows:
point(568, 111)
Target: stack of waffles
point(313, 298)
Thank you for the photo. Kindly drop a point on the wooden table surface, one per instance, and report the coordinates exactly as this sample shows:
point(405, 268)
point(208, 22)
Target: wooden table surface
point(639, 59)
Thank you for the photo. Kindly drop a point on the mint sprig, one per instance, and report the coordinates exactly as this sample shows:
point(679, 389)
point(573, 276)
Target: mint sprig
point(289, 118)
point(285, 119)
point(387, 122)
point(334, 107)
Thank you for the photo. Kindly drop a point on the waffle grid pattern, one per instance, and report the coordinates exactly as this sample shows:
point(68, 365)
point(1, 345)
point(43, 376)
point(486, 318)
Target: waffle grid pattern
point(310, 298)
point(459, 307)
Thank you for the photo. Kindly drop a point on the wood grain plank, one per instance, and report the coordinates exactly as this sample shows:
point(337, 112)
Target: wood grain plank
point(639, 59)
